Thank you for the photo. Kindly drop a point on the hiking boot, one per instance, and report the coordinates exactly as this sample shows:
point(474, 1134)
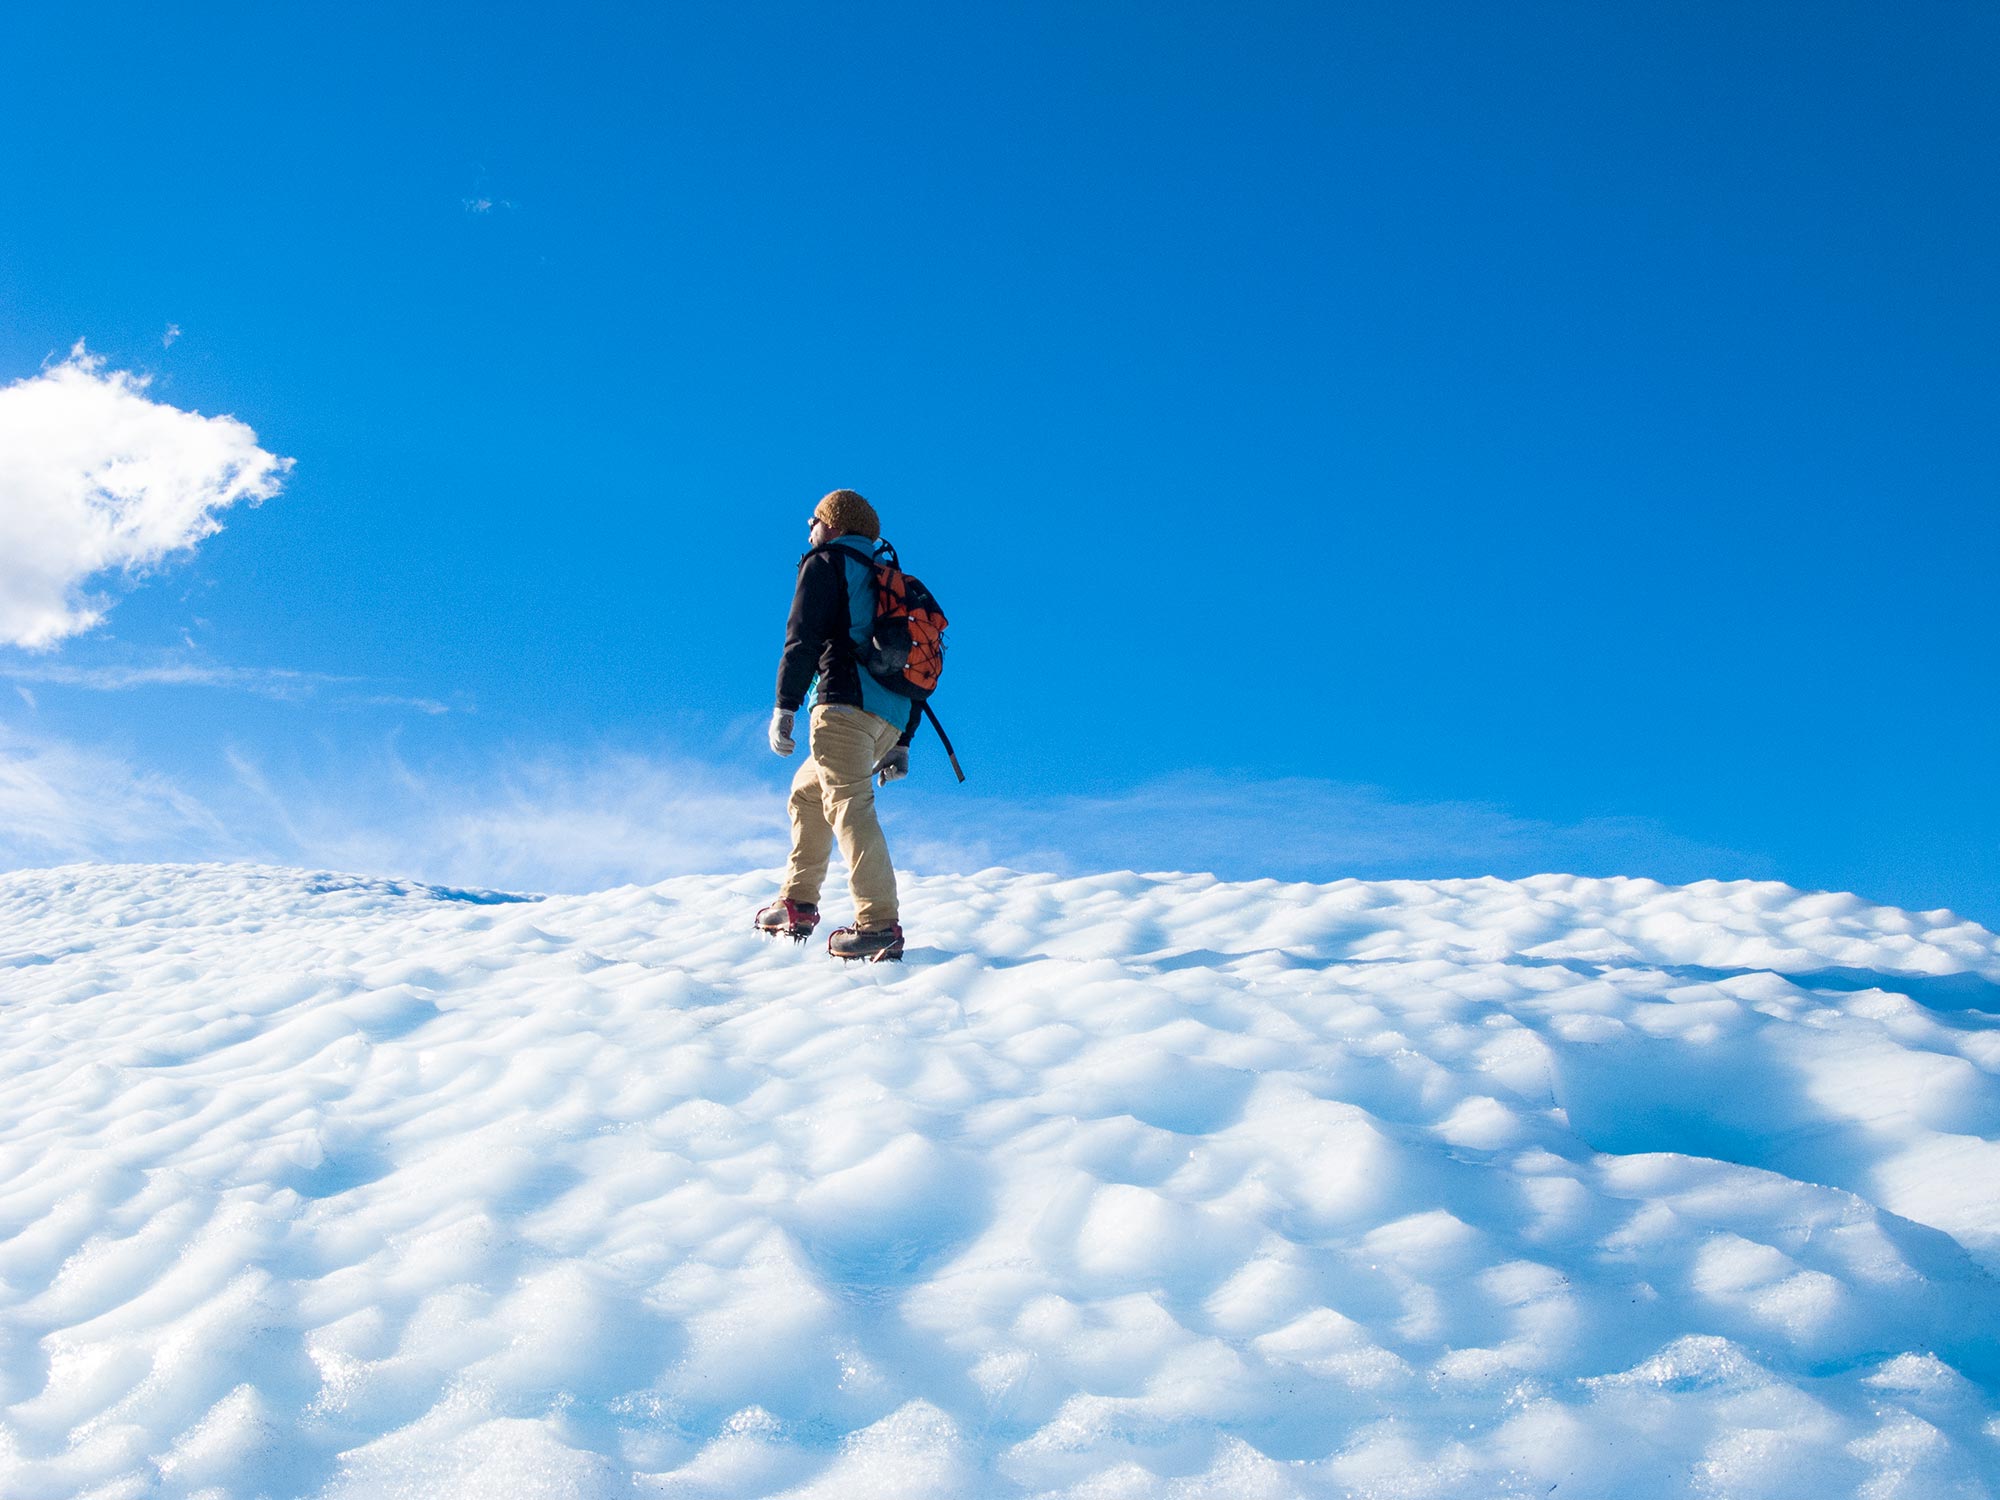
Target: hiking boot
point(792, 919)
point(876, 944)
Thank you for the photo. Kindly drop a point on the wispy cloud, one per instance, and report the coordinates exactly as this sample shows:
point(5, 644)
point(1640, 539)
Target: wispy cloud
point(1295, 829)
point(574, 820)
point(567, 821)
point(544, 821)
point(270, 682)
point(281, 683)
point(430, 706)
point(61, 802)
point(167, 339)
point(98, 479)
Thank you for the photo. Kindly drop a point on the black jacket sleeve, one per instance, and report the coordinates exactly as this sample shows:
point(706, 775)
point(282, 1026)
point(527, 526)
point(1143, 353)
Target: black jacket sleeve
point(916, 718)
point(819, 612)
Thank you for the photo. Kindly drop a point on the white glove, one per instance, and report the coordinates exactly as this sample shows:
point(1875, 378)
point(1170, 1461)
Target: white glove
point(894, 766)
point(781, 732)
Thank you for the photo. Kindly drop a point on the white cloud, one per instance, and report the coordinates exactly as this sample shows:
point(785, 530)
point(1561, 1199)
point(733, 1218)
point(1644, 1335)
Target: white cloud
point(96, 478)
point(167, 339)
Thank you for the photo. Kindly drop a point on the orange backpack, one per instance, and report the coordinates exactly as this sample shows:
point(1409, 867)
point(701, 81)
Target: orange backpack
point(905, 647)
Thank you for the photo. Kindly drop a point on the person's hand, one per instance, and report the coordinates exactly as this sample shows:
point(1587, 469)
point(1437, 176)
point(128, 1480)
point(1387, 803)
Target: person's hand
point(894, 766)
point(781, 732)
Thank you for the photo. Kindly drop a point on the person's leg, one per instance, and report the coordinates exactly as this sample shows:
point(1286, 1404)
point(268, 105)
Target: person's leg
point(812, 837)
point(847, 742)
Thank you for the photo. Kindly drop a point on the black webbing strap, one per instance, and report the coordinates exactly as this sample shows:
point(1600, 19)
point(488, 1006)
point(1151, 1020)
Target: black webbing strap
point(872, 562)
point(949, 753)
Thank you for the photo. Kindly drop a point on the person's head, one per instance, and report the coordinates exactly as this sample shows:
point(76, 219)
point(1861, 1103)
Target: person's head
point(844, 513)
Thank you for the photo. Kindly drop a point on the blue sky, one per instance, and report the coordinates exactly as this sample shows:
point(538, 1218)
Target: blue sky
point(1397, 439)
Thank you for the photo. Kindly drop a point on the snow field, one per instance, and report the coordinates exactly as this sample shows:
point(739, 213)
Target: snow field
point(1121, 1186)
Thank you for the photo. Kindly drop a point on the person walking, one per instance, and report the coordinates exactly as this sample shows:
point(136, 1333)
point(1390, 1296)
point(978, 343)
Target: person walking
point(860, 737)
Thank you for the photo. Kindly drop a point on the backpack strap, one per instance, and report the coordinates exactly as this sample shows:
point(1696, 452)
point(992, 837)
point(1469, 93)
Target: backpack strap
point(884, 555)
point(835, 549)
point(949, 753)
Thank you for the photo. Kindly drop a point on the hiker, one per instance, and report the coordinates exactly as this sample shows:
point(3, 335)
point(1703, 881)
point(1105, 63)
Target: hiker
point(861, 734)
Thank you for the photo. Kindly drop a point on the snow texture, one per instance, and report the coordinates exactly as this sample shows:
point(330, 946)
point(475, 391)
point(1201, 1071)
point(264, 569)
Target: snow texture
point(1122, 1186)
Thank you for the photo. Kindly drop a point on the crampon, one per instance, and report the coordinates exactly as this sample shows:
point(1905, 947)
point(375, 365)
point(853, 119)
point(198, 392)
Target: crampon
point(792, 919)
point(876, 945)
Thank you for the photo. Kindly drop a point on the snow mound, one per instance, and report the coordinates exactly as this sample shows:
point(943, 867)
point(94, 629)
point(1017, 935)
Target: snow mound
point(1122, 1186)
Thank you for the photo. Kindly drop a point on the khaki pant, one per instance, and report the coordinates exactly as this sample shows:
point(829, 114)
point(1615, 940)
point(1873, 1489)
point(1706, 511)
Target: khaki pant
point(834, 795)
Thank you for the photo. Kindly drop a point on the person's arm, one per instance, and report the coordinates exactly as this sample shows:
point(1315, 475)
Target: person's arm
point(816, 615)
point(895, 762)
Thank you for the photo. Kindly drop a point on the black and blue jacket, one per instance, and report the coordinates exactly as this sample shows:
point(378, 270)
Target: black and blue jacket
point(833, 612)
